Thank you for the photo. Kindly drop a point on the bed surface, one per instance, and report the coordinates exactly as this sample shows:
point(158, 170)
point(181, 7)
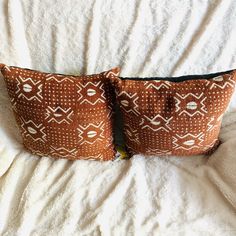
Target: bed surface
point(142, 196)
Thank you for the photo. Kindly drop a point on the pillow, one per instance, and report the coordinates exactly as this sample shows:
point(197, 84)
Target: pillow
point(176, 115)
point(63, 116)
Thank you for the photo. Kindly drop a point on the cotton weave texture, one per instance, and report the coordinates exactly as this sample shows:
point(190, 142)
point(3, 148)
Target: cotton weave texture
point(63, 116)
point(177, 116)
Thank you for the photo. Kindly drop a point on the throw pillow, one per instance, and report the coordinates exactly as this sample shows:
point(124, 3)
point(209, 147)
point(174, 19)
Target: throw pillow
point(63, 116)
point(176, 115)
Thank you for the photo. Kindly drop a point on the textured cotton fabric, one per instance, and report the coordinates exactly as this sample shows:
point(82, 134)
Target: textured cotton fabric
point(144, 196)
point(174, 116)
point(63, 116)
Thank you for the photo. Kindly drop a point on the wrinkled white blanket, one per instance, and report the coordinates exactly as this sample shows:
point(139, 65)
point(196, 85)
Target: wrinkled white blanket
point(153, 196)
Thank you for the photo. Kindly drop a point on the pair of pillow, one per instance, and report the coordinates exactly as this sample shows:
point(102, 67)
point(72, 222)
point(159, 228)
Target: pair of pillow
point(71, 117)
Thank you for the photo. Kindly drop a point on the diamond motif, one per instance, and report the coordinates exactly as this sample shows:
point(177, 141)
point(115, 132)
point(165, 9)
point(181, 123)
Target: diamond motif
point(91, 133)
point(91, 89)
point(190, 104)
point(128, 102)
point(59, 115)
point(29, 89)
point(36, 132)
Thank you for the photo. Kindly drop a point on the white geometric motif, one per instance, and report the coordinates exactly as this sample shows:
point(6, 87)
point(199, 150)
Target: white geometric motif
point(7, 67)
point(156, 151)
point(26, 85)
point(33, 130)
point(163, 84)
point(14, 103)
point(109, 111)
point(63, 152)
point(58, 79)
point(111, 73)
point(91, 89)
point(188, 141)
point(91, 133)
point(156, 123)
point(210, 124)
point(132, 133)
point(220, 117)
point(92, 158)
point(192, 106)
point(220, 83)
point(59, 114)
point(211, 145)
point(37, 152)
point(218, 78)
point(129, 105)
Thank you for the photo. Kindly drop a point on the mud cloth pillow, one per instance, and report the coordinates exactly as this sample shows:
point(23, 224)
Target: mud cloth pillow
point(176, 115)
point(63, 116)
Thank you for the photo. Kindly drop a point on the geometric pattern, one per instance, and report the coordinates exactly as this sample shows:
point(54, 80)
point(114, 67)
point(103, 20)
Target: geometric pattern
point(58, 79)
point(211, 124)
point(156, 123)
point(128, 102)
point(221, 84)
point(157, 151)
point(174, 116)
point(29, 88)
point(132, 134)
point(63, 116)
point(59, 115)
point(190, 104)
point(188, 141)
point(157, 84)
point(91, 133)
point(32, 130)
point(63, 152)
point(90, 89)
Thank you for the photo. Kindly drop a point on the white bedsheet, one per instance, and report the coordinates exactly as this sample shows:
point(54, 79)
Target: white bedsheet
point(153, 196)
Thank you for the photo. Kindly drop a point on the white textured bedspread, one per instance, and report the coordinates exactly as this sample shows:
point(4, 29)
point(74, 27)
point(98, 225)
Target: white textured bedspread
point(152, 196)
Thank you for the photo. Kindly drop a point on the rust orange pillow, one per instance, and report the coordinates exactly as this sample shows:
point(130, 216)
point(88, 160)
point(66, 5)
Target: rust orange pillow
point(174, 116)
point(63, 116)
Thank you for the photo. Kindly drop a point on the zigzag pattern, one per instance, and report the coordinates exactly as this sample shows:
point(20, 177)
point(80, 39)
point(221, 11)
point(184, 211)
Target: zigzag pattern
point(93, 158)
point(222, 86)
point(91, 133)
point(61, 79)
point(63, 152)
point(188, 141)
point(199, 109)
point(90, 89)
point(211, 145)
point(112, 73)
point(210, 124)
point(7, 68)
point(132, 133)
point(157, 151)
point(156, 123)
point(26, 85)
point(129, 105)
point(34, 131)
point(59, 115)
point(163, 84)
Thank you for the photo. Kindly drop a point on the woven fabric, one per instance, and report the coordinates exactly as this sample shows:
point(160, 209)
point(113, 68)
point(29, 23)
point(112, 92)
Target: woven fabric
point(63, 116)
point(175, 116)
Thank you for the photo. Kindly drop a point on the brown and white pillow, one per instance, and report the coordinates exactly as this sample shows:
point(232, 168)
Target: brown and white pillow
point(176, 115)
point(63, 116)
